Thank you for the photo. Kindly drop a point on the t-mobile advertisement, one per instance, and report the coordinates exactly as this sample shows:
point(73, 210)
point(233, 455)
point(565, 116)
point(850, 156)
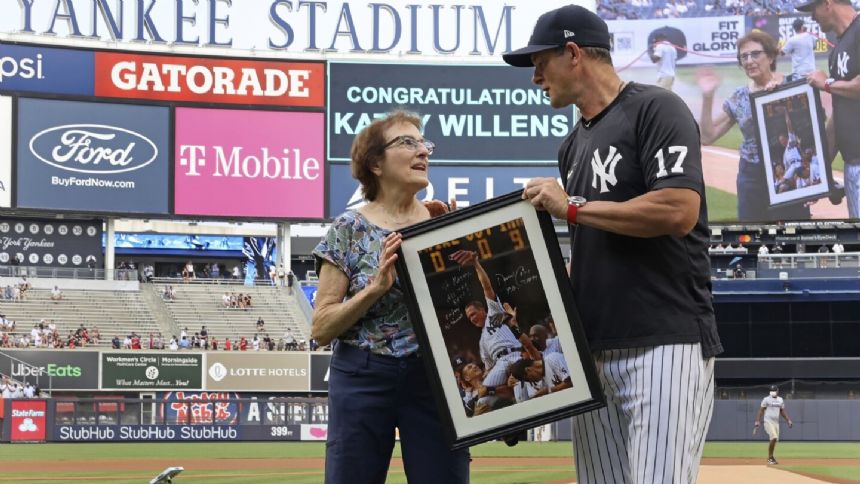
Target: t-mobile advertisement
point(95, 157)
point(473, 113)
point(5, 152)
point(254, 164)
point(45, 69)
point(465, 184)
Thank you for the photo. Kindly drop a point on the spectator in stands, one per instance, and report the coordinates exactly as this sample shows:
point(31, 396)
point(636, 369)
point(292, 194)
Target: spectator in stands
point(838, 248)
point(214, 344)
point(763, 250)
point(261, 325)
point(739, 272)
point(237, 272)
point(184, 344)
point(126, 343)
point(243, 344)
point(664, 55)
point(116, 343)
point(29, 391)
point(56, 294)
point(7, 293)
point(247, 301)
point(188, 271)
point(270, 342)
point(135, 341)
point(282, 277)
point(273, 275)
point(183, 333)
point(215, 271)
point(7, 389)
point(204, 333)
point(290, 340)
point(169, 293)
point(801, 48)
point(148, 272)
point(226, 301)
point(174, 345)
point(95, 335)
point(240, 301)
point(291, 279)
point(255, 343)
point(228, 345)
point(757, 54)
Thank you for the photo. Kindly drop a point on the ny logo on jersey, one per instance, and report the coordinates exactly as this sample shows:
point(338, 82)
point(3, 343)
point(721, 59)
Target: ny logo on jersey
point(604, 168)
point(842, 64)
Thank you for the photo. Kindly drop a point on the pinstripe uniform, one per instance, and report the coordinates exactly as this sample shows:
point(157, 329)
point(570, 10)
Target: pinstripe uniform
point(499, 348)
point(659, 404)
point(654, 341)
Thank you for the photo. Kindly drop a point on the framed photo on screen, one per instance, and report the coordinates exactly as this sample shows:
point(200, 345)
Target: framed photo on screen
point(792, 143)
point(492, 306)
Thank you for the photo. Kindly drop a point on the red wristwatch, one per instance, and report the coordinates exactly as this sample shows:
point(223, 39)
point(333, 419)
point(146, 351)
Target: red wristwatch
point(574, 203)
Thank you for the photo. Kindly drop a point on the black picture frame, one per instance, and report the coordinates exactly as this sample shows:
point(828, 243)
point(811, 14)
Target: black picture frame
point(792, 112)
point(517, 248)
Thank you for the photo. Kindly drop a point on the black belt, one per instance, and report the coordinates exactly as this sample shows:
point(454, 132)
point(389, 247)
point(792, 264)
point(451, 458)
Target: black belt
point(506, 352)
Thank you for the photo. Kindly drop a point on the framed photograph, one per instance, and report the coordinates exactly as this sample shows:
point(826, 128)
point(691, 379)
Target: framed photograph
point(792, 144)
point(490, 299)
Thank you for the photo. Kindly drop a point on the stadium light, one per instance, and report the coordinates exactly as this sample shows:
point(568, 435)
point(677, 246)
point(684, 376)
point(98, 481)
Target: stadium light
point(166, 475)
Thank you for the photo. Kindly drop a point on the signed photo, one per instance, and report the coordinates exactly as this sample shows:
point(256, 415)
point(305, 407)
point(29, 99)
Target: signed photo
point(492, 306)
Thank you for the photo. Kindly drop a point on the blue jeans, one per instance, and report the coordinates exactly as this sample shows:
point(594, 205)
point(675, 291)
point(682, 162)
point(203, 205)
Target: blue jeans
point(370, 395)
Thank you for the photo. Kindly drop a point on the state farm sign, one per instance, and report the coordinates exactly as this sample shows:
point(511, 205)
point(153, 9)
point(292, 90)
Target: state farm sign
point(209, 80)
point(256, 164)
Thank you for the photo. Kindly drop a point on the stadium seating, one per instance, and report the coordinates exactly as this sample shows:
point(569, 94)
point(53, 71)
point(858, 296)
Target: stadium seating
point(113, 312)
point(199, 303)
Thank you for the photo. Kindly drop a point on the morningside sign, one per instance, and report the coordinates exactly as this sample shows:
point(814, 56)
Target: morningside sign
point(426, 28)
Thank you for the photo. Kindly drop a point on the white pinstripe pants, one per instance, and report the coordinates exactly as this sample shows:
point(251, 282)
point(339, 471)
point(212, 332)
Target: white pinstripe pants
point(659, 405)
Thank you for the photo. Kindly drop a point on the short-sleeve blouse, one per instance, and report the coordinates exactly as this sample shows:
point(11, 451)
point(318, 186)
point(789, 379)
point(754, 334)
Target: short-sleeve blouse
point(353, 244)
point(738, 107)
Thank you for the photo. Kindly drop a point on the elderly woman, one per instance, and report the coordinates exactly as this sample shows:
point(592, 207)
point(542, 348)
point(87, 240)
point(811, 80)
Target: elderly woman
point(377, 380)
point(757, 54)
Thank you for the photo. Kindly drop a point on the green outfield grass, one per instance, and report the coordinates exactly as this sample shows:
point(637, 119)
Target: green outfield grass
point(516, 469)
point(721, 205)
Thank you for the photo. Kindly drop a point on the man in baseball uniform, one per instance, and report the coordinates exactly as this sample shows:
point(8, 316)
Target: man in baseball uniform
point(772, 407)
point(634, 200)
point(535, 378)
point(501, 342)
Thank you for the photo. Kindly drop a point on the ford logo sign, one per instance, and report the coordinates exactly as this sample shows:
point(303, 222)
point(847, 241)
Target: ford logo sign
point(93, 148)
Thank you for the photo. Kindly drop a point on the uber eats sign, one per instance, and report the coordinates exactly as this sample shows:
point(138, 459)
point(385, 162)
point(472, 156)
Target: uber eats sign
point(59, 370)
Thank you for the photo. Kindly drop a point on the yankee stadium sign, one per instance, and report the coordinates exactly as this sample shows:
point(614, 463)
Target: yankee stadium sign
point(441, 27)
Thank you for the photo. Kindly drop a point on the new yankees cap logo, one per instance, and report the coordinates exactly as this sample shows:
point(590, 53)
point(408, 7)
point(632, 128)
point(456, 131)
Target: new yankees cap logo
point(568, 34)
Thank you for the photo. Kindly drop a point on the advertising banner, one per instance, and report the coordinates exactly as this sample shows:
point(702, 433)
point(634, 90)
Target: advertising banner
point(466, 184)
point(54, 370)
point(151, 371)
point(199, 408)
point(249, 163)
point(5, 151)
point(429, 28)
point(45, 69)
point(700, 40)
point(472, 113)
point(209, 80)
point(185, 433)
point(319, 371)
point(28, 419)
point(45, 242)
point(269, 371)
point(780, 28)
point(92, 156)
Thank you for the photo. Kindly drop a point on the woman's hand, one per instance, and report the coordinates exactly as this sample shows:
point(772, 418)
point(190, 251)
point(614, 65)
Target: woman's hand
point(385, 276)
point(708, 80)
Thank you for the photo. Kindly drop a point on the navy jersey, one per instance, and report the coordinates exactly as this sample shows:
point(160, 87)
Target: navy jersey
point(633, 291)
point(844, 65)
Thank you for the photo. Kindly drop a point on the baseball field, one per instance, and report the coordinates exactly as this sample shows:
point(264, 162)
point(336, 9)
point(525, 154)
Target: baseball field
point(302, 462)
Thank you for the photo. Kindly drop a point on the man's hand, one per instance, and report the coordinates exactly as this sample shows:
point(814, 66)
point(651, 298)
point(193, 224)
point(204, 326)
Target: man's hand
point(816, 79)
point(755, 427)
point(790, 423)
point(513, 312)
point(547, 194)
point(464, 257)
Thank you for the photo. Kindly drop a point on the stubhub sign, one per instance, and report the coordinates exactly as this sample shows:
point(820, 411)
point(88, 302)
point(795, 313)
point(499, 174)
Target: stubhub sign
point(46, 70)
point(466, 184)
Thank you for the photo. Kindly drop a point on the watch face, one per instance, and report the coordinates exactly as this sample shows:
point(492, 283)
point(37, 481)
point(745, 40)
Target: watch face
point(576, 200)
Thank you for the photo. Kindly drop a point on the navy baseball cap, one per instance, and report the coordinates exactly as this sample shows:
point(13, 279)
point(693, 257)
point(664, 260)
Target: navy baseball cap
point(809, 5)
point(774, 388)
point(556, 28)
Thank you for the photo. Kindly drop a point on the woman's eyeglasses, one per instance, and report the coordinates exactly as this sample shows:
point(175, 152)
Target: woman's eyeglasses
point(411, 143)
point(755, 54)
